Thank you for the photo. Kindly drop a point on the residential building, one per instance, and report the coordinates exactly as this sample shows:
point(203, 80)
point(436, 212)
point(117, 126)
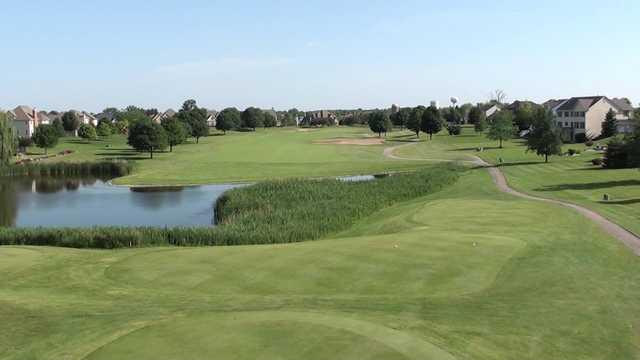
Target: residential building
point(490, 110)
point(157, 118)
point(212, 116)
point(86, 118)
point(625, 115)
point(584, 115)
point(26, 120)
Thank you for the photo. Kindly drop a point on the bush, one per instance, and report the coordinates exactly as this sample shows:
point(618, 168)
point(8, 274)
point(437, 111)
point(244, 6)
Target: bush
point(572, 152)
point(454, 129)
point(616, 155)
point(272, 212)
point(589, 143)
point(580, 138)
point(597, 162)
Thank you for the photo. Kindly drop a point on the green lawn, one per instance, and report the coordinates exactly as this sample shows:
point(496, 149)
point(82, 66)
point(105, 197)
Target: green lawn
point(243, 156)
point(567, 178)
point(466, 273)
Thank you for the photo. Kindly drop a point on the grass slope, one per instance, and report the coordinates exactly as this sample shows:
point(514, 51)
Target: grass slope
point(243, 157)
point(467, 273)
point(573, 179)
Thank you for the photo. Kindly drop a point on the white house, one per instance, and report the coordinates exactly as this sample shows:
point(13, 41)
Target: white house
point(86, 118)
point(584, 115)
point(491, 110)
point(26, 120)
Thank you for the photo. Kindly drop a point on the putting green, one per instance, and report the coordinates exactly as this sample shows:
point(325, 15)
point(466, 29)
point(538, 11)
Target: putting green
point(268, 335)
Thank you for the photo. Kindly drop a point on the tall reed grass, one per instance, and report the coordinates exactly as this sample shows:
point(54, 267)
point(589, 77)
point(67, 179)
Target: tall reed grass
point(97, 169)
point(267, 213)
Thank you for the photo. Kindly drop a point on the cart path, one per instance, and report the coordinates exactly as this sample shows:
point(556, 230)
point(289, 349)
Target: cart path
point(631, 240)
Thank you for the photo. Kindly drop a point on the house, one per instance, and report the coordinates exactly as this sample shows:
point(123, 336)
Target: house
point(625, 115)
point(157, 118)
point(320, 117)
point(212, 115)
point(584, 115)
point(26, 120)
point(86, 118)
point(491, 109)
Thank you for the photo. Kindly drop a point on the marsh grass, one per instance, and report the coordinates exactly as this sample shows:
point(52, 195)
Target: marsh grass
point(88, 168)
point(272, 212)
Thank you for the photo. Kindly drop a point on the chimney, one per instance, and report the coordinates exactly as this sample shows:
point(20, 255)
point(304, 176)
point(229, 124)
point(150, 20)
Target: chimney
point(35, 117)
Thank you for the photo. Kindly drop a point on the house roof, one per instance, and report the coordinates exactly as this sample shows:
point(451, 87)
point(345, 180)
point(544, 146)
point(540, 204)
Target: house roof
point(622, 104)
point(170, 113)
point(580, 103)
point(553, 103)
point(42, 116)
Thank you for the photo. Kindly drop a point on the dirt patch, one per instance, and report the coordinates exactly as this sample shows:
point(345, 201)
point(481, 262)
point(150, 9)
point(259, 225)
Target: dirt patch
point(362, 142)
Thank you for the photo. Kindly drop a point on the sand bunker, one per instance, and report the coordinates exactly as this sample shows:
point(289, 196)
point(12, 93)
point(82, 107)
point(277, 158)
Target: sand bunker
point(364, 142)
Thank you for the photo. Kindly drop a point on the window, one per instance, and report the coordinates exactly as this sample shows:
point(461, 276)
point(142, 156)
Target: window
point(582, 114)
point(566, 124)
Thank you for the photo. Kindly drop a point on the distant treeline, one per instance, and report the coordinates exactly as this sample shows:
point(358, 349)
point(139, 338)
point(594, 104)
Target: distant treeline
point(272, 212)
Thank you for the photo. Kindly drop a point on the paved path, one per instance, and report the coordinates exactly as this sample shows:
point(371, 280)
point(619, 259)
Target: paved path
point(631, 240)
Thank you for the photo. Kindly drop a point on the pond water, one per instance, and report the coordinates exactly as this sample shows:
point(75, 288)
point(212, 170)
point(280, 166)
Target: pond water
point(56, 202)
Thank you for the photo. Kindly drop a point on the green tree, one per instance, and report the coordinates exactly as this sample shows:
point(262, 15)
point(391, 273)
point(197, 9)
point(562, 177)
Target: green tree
point(45, 137)
point(70, 121)
point(176, 132)
point(228, 119)
point(122, 126)
point(609, 125)
point(431, 121)
point(400, 118)
point(252, 117)
point(476, 115)
point(57, 124)
point(269, 120)
point(524, 116)
point(415, 119)
point(292, 117)
point(452, 115)
point(545, 137)
point(481, 124)
point(379, 122)
point(87, 132)
point(104, 128)
point(8, 140)
point(502, 127)
point(145, 135)
point(196, 118)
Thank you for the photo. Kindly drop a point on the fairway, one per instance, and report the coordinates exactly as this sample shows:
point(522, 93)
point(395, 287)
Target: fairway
point(466, 273)
point(244, 156)
point(567, 178)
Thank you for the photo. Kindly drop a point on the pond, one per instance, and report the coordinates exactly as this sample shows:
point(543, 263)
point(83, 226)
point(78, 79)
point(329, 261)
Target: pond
point(67, 202)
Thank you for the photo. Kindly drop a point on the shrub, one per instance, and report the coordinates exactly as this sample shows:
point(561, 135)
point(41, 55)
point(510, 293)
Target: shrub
point(572, 152)
point(580, 138)
point(597, 162)
point(454, 129)
point(616, 155)
point(589, 143)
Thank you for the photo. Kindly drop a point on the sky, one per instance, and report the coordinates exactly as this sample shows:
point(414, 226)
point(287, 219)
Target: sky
point(89, 55)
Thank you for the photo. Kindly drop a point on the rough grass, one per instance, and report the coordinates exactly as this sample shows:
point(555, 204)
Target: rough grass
point(465, 273)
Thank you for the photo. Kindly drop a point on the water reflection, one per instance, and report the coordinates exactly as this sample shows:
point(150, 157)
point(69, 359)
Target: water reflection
point(86, 202)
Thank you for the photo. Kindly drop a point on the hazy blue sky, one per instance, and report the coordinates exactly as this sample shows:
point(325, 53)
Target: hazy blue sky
point(313, 54)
